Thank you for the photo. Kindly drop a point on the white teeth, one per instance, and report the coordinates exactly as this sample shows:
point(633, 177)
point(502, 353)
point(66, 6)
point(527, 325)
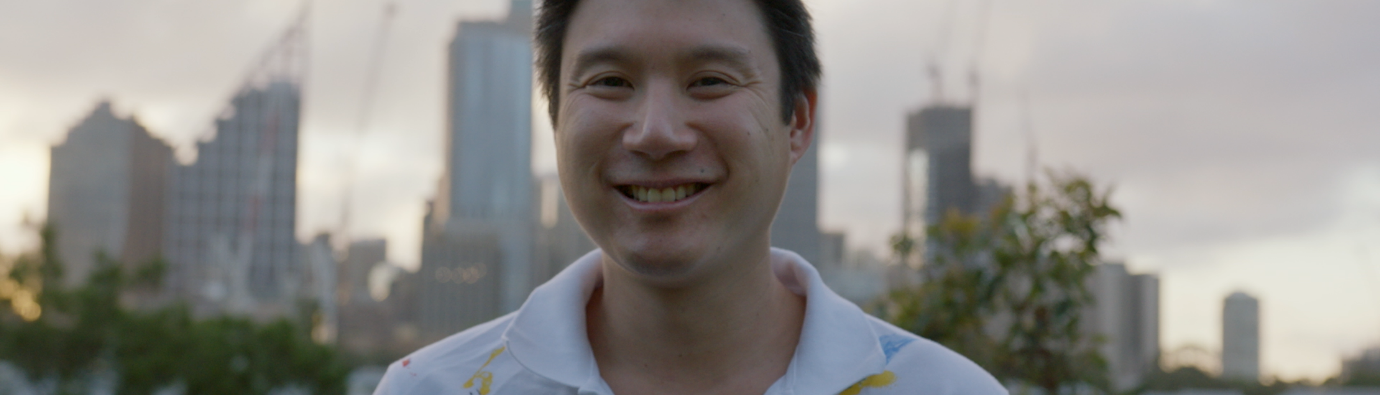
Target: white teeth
point(654, 195)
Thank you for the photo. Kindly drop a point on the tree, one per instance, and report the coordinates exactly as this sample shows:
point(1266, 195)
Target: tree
point(84, 330)
point(1007, 288)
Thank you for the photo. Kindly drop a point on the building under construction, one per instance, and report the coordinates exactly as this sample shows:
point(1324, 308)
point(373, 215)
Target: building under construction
point(230, 237)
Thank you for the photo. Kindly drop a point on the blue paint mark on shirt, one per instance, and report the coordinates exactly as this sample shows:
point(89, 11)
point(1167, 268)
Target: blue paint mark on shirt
point(893, 343)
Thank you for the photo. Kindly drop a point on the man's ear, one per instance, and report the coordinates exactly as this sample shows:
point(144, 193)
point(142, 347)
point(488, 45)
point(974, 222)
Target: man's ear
point(802, 123)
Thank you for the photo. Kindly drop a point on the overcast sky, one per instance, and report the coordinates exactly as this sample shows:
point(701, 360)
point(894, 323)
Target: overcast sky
point(1243, 137)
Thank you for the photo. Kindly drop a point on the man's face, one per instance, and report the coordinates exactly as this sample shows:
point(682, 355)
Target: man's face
point(669, 140)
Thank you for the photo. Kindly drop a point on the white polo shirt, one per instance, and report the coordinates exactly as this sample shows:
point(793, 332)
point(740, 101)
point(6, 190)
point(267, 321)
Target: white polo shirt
point(542, 348)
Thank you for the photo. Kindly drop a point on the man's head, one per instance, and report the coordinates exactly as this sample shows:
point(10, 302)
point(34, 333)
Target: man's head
point(787, 23)
point(677, 123)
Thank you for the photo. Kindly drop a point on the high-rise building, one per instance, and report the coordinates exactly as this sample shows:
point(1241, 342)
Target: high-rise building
point(461, 279)
point(369, 317)
point(561, 240)
point(939, 166)
point(106, 192)
point(482, 218)
point(1126, 313)
point(319, 284)
point(1241, 337)
point(231, 235)
point(833, 249)
point(796, 226)
point(937, 171)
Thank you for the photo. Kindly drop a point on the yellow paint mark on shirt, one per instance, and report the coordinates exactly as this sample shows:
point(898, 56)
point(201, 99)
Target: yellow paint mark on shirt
point(882, 379)
point(485, 378)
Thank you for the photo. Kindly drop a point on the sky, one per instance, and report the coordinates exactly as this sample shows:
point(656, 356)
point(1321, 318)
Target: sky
point(1241, 137)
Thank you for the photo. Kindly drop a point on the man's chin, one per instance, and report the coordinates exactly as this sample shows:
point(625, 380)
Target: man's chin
point(660, 265)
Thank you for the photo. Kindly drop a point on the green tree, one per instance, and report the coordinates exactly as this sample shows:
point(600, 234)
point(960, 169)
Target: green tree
point(87, 329)
point(1007, 288)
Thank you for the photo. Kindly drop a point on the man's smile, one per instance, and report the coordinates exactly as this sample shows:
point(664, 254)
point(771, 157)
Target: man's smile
point(662, 193)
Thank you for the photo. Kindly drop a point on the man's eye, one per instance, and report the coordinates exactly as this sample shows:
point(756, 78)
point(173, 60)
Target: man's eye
point(709, 81)
point(611, 82)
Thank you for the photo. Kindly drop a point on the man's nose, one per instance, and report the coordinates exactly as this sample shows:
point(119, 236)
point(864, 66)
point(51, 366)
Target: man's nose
point(660, 130)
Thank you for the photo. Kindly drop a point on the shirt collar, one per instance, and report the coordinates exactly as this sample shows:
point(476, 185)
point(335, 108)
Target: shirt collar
point(837, 344)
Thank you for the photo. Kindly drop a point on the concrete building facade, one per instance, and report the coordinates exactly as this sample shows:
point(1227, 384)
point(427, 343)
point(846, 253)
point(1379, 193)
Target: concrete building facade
point(106, 193)
point(230, 238)
point(937, 171)
point(483, 217)
point(560, 240)
point(796, 226)
point(1126, 313)
point(1241, 338)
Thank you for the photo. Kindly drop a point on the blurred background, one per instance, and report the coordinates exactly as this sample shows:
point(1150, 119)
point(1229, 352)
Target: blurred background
point(381, 174)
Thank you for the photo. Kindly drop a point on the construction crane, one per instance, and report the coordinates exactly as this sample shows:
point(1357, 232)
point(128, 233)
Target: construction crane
point(371, 80)
point(934, 65)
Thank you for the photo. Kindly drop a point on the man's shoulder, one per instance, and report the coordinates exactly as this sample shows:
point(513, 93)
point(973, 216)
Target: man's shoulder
point(468, 360)
point(918, 365)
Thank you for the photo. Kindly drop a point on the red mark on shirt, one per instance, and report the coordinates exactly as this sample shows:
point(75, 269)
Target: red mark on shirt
point(407, 361)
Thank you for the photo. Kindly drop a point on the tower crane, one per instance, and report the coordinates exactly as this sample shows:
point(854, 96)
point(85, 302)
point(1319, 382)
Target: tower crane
point(371, 79)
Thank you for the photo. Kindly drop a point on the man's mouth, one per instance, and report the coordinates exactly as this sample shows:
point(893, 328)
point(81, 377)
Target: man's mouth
point(661, 195)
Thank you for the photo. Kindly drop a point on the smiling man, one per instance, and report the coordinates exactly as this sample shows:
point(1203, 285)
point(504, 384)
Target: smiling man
point(677, 123)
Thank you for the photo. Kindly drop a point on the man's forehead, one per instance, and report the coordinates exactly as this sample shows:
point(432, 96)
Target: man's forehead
point(641, 24)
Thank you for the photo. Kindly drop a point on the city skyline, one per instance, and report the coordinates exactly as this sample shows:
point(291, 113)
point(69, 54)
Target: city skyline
point(1238, 168)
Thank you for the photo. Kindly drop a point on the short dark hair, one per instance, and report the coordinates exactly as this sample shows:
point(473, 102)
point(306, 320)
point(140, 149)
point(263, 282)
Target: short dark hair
point(787, 22)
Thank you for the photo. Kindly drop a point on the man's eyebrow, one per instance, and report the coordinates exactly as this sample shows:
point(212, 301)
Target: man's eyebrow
point(595, 56)
point(735, 57)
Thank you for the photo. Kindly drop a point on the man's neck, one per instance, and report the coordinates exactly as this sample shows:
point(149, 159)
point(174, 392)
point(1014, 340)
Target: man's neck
point(734, 332)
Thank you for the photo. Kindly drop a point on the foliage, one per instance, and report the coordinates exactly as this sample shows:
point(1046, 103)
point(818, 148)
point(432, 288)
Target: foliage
point(86, 329)
point(1007, 289)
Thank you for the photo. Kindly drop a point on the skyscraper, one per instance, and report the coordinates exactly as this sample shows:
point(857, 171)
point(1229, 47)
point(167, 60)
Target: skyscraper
point(1241, 337)
point(1126, 313)
point(482, 216)
point(232, 235)
point(937, 171)
point(106, 192)
point(561, 240)
point(796, 226)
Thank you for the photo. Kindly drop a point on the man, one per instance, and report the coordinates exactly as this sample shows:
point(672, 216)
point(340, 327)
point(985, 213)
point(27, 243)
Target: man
point(676, 125)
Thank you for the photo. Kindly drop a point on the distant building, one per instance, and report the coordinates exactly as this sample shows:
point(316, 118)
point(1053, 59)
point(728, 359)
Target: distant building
point(561, 240)
point(319, 285)
point(856, 275)
point(230, 238)
point(106, 193)
point(1241, 338)
point(361, 256)
point(937, 175)
point(378, 320)
point(482, 220)
point(833, 249)
point(796, 226)
point(1126, 313)
point(366, 324)
point(938, 167)
point(461, 280)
